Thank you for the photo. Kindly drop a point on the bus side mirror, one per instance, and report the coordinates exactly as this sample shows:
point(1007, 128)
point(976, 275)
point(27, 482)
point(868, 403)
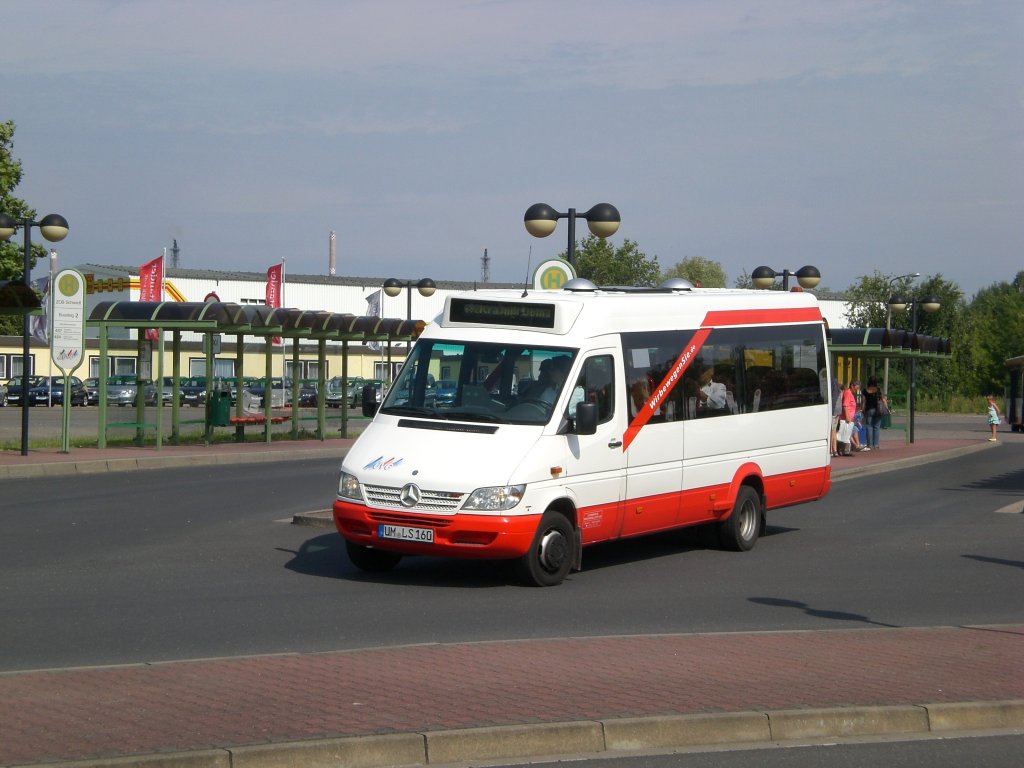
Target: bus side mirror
point(586, 418)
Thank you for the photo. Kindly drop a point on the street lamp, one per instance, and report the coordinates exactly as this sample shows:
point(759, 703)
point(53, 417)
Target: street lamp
point(54, 228)
point(888, 327)
point(929, 303)
point(393, 287)
point(541, 219)
point(764, 277)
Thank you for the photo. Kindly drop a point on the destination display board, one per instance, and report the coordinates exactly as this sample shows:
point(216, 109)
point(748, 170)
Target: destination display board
point(502, 313)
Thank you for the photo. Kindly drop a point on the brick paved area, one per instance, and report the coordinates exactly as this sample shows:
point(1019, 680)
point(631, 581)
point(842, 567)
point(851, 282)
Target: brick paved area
point(139, 709)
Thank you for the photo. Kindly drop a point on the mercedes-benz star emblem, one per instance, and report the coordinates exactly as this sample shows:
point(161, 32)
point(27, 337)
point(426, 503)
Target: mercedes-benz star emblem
point(410, 495)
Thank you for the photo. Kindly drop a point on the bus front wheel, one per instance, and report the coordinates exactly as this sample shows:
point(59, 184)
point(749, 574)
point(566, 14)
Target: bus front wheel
point(371, 560)
point(740, 530)
point(551, 554)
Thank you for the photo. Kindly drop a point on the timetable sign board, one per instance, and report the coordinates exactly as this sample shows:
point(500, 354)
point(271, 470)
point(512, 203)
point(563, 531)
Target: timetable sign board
point(67, 320)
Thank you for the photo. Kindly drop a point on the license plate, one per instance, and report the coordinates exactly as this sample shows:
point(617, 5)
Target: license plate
point(404, 533)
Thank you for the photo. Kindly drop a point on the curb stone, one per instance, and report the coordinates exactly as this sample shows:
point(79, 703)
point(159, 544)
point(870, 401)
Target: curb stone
point(594, 737)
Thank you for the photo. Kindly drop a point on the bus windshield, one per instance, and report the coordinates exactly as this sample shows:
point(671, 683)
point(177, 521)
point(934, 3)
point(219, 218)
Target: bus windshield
point(480, 382)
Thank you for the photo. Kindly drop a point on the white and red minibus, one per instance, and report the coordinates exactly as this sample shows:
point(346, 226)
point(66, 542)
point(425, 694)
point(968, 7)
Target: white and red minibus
point(591, 414)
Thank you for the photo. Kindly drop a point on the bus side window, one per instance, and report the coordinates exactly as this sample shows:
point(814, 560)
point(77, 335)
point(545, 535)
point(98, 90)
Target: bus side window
point(596, 384)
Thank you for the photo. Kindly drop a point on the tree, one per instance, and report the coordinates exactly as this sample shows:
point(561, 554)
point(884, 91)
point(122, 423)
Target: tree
point(599, 262)
point(869, 299)
point(997, 325)
point(744, 281)
point(12, 255)
point(699, 271)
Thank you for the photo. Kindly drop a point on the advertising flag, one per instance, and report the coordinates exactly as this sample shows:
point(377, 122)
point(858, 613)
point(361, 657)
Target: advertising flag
point(38, 324)
point(373, 310)
point(275, 287)
point(151, 287)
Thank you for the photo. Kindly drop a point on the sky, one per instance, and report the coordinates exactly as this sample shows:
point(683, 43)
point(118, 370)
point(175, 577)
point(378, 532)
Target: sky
point(857, 136)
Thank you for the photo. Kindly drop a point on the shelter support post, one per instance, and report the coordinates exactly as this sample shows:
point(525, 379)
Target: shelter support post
point(296, 388)
point(239, 388)
point(321, 387)
point(268, 389)
point(101, 438)
point(176, 397)
point(344, 388)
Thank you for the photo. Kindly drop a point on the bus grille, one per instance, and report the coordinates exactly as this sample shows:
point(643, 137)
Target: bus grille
point(430, 501)
point(394, 518)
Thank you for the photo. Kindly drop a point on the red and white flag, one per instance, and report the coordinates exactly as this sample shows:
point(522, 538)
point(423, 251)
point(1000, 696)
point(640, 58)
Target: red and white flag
point(275, 288)
point(151, 287)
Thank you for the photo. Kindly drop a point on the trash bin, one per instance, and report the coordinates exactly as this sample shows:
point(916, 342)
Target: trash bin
point(218, 413)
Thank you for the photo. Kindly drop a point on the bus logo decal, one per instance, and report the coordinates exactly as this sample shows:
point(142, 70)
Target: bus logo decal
point(384, 464)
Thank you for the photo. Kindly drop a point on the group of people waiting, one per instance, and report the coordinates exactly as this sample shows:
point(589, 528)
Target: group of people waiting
point(856, 407)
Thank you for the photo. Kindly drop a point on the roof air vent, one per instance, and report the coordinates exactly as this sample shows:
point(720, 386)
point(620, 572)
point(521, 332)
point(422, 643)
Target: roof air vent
point(579, 284)
point(677, 284)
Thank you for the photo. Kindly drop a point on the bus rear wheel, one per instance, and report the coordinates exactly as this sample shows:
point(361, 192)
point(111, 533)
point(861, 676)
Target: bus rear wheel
point(371, 560)
point(552, 553)
point(740, 530)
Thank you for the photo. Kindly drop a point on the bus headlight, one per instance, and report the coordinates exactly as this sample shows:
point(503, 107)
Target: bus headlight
point(348, 487)
point(496, 499)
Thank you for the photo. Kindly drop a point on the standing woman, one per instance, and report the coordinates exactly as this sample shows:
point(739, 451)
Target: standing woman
point(994, 417)
point(872, 413)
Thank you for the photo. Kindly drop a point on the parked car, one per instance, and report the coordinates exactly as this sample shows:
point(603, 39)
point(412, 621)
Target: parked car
point(167, 390)
point(50, 391)
point(334, 393)
point(280, 392)
point(14, 389)
point(92, 388)
point(247, 382)
point(125, 391)
point(308, 392)
point(193, 391)
point(446, 391)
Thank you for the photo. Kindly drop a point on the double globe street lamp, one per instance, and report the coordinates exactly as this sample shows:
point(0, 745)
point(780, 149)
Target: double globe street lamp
point(764, 277)
point(888, 325)
point(393, 287)
point(602, 219)
point(54, 228)
point(928, 303)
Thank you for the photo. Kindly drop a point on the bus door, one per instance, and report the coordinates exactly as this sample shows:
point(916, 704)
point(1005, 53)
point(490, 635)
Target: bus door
point(596, 464)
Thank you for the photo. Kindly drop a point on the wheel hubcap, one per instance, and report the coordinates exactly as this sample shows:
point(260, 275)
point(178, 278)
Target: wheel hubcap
point(554, 549)
point(748, 521)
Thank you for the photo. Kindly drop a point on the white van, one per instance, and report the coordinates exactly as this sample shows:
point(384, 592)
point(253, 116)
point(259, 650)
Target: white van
point(586, 415)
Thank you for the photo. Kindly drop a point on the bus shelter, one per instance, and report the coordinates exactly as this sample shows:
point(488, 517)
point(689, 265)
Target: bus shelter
point(852, 349)
point(212, 319)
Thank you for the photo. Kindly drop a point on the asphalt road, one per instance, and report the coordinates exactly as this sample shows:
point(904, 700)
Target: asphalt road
point(174, 564)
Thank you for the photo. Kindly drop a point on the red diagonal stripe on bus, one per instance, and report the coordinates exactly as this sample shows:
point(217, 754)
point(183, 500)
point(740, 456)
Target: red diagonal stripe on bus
point(672, 378)
point(762, 316)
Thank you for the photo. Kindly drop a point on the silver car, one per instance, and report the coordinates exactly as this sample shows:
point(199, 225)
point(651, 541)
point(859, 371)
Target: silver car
point(124, 390)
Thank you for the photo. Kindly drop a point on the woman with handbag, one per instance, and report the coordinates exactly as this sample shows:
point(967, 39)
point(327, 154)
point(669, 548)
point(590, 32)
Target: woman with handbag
point(873, 399)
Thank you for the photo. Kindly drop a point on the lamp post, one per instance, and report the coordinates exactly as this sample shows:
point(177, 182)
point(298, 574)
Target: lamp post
point(392, 287)
point(54, 228)
point(888, 327)
point(764, 277)
point(930, 303)
point(602, 219)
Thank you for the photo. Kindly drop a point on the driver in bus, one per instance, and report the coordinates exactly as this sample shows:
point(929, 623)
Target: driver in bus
point(553, 372)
